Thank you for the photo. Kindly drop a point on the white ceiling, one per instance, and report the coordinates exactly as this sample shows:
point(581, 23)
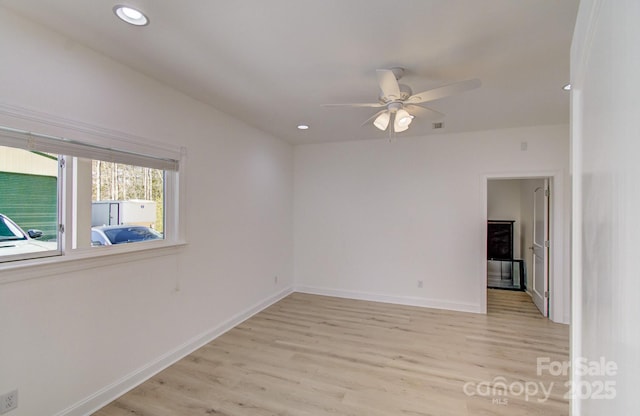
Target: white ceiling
point(272, 63)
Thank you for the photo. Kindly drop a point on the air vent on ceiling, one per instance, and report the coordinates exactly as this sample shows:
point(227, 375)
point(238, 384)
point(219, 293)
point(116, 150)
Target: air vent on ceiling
point(438, 125)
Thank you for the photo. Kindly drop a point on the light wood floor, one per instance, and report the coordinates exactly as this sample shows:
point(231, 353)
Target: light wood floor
point(316, 355)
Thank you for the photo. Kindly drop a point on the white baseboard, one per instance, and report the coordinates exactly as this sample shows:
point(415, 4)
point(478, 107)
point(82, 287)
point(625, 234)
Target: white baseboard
point(116, 389)
point(400, 300)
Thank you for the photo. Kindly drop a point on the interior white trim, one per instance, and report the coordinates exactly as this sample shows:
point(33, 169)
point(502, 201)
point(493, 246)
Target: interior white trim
point(116, 389)
point(62, 146)
point(558, 285)
point(581, 49)
point(40, 122)
point(399, 300)
point(92, 258)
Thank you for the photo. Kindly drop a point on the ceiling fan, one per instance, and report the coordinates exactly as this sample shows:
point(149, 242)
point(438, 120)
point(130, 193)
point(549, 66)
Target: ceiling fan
point(401, 105)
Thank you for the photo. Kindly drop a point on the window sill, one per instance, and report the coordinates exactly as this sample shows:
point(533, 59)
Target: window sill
point(84, 259)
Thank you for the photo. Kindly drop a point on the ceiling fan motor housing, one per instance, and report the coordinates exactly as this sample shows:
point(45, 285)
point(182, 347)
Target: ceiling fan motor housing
point(405, 92)
point(394, 106)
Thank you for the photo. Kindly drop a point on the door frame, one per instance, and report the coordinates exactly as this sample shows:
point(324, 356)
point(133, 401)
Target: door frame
point(559, 235)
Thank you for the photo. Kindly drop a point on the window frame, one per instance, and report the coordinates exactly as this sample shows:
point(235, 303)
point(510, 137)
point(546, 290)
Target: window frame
point(69, 258)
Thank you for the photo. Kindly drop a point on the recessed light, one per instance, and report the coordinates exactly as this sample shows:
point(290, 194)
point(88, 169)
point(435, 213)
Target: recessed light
point(567, 87)
point(131, 15)
point(303, 127)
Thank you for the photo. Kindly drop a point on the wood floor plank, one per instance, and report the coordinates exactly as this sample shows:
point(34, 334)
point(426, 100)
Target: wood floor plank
point(317, 355)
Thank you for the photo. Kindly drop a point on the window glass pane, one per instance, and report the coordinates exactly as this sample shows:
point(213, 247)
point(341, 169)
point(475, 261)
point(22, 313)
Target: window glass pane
point(127, 203)
point(28, 203)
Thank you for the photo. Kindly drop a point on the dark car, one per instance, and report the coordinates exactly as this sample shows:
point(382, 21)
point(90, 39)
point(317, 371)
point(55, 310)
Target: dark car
point(108, 235)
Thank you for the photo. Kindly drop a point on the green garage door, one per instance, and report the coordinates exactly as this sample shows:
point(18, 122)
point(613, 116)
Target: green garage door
point(30, 201)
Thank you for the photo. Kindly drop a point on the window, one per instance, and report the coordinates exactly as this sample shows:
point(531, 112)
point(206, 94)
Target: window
point(60, 197)
point(124, 196)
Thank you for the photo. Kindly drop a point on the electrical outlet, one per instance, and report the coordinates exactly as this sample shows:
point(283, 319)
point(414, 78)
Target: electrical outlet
point(8, 401)
point(420, 284)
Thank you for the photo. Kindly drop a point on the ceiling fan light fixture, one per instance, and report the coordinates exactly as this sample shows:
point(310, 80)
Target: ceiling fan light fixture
point(399, 129)
point(402, 121)
point(130, 15)
point(382, 121)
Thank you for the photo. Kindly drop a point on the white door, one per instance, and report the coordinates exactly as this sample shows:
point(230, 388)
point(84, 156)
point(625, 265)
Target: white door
point(540, 272)
point(114, 214)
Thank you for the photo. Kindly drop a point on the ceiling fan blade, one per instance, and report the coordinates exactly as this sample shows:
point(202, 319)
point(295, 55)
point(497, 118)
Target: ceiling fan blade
point(369, 105)
point(388, 84)
point(373, 117)
point(423, 112)
point(445, 91)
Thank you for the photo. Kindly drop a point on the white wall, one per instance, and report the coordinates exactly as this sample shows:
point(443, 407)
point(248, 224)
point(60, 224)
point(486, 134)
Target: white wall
point(605, 62)
point(67, 337)
point(372, 218)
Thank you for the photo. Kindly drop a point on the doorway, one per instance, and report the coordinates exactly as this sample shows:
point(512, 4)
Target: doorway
point(518, 219)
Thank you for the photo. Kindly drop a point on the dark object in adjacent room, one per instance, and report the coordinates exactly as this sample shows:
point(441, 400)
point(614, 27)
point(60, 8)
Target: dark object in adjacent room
point(500, 240)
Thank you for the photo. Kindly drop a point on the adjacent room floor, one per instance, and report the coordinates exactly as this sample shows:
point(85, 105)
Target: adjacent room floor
point(316, 355)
